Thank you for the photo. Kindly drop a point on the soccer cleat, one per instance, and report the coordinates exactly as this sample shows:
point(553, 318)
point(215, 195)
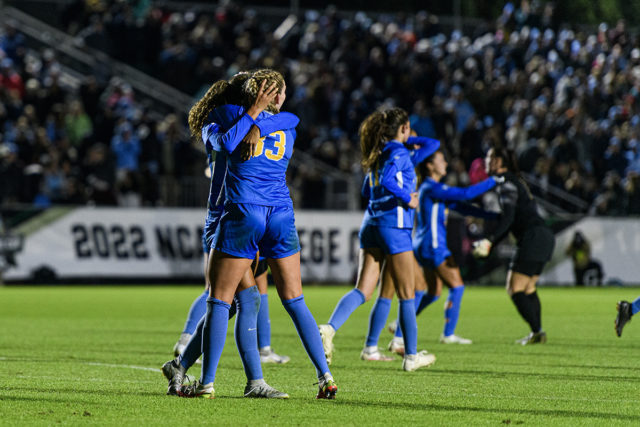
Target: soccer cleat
point(411, 362)
point(454, 339)
point(326, 333)
point(174, 372)
point(267, 355)
point(197, 389)
point(181, 344)
point(396, 345)
point(533, 338)
point(327, 388)
point(264, 390)
point(392, 326)
point(624, 315)
point(373, 354)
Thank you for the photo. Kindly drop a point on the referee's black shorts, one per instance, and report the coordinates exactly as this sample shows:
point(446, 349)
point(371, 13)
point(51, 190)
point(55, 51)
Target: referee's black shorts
point(534, 250)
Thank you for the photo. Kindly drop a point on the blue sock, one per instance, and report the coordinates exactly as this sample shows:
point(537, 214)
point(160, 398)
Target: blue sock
point(193, 350)
point(425, 301)
point(408, 325)
point(418, 299)
point(377, 319)
point(347, 305)
point(308, 332)
point(264, 323)
point(197, 310)
point(635, 306)
point(452, 310)
point(214, 334)
point(248, 305)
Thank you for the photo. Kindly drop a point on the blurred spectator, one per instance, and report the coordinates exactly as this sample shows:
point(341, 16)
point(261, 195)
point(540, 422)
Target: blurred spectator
point(586, 270)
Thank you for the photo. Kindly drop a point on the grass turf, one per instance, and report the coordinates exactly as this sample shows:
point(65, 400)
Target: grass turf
point(92, 355)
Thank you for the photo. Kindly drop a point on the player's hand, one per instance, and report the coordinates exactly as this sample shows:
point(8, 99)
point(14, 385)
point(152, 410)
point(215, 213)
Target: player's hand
point(481, 248)
point(264, 98)
point(413, 203)
point(498, 179)
point(248, 144)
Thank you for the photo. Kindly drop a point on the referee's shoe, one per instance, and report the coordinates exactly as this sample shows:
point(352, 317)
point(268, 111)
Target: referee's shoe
point(624, 316)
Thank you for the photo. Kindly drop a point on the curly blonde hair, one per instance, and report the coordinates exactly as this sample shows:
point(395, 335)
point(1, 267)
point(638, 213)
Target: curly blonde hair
point(252, 86)
point(220, 93)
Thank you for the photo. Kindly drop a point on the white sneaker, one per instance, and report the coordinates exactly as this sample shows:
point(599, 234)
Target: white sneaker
point(326, 333)
point(267, 355)
point(392, 326)
point(181, 344)
point(396, 345)
point(411, 362)
point(373, 354)
point(454, 339)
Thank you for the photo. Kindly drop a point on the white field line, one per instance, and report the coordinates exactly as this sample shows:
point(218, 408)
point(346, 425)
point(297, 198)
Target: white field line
point(112, 365)
point(483, 395)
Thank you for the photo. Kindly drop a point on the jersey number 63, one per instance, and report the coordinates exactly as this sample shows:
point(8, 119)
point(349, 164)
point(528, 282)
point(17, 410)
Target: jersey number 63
point(279, 140)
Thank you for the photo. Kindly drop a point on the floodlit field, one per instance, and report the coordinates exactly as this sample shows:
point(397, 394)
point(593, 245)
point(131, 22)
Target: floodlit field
point(92, 355)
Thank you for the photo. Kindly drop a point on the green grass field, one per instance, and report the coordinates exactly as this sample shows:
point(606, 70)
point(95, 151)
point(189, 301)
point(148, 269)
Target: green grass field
point(80, 355)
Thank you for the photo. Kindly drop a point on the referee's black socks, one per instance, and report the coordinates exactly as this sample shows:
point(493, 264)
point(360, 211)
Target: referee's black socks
point(528, 308)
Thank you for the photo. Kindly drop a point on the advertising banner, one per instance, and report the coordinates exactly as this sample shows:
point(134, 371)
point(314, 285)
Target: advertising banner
point(112, 243)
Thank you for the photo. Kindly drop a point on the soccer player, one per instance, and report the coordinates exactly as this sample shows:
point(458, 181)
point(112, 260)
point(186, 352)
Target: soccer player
point(258, 215)
point(430, 243)
point(246, 297)
point(626, 310)
point(385, 234)
point(215, 203)
point(534, 240)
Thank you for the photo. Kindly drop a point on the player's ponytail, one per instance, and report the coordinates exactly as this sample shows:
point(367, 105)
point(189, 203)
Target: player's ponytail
point(251, 86)
point(510, 161)
point(508, 157)
point(376, 129)
point(220, 93)
point(199, 112)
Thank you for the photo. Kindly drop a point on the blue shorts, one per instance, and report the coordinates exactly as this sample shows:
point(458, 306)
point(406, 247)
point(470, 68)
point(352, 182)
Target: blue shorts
point(246, 228)
point(431, 257)
point(210, 226)
point(390, 240)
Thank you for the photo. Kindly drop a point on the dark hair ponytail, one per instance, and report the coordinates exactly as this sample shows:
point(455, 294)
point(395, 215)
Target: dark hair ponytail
point(376, 129)
point(509, 159)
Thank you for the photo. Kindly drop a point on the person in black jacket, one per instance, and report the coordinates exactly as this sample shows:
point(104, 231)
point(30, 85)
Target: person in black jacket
point(535, 241)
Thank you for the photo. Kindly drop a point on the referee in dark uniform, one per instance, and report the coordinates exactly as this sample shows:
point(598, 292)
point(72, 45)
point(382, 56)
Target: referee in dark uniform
point(535, 241)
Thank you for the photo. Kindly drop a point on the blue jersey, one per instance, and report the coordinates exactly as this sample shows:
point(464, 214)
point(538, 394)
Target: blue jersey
point(217, 143)
point(389, 187)
point(260, 180)
point(435, 199)
point(218, 168)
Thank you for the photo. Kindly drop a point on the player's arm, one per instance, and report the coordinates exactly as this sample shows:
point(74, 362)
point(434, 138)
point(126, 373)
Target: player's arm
point(390, 182)
point(470, 210)
point(236, 120)
point(446, 193)
point(276, 122)
point(366, 186)
point(508, 196)
point(426, 148)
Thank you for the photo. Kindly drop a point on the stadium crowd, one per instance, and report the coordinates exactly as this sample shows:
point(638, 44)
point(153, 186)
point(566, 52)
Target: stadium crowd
point(564, 100)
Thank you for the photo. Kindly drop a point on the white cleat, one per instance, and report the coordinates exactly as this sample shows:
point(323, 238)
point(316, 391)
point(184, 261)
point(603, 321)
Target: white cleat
point(181, 344)
point(396, 345)
point(373, 354)
point(454, 339)
point(267, 355)
point(327, 333)
point(392, 326)
point(411, 362)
